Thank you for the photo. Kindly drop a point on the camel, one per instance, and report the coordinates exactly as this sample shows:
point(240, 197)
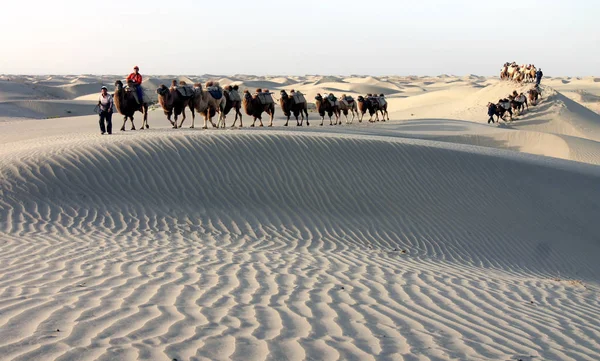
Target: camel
point(325, 106)
point(348, 105)
point(530, 74)
point(127, 105)
point(368, 104)
point(174, 103)
point(289, 107)
point(232, 102)
point(533, 95)
point(519, 75)
point(504, 72)
point(207, 105)
point(502, 108)
point(383, 107)
point(254, 107)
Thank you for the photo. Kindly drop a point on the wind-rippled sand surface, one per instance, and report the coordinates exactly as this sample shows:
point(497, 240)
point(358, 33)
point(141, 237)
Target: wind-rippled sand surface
point(356, 242)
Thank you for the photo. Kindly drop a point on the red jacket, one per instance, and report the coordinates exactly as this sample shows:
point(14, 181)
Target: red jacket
point(136, 78)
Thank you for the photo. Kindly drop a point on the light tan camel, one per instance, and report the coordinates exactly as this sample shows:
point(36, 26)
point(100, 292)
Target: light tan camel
point(349, 105)
point(207, 104)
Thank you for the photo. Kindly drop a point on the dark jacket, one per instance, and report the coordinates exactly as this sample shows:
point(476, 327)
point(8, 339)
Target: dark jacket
point(539, 74)
point(492, 110)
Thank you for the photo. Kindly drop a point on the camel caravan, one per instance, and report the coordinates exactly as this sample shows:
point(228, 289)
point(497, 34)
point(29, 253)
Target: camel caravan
point(515, 104)
point(334, 108)
point(213, 100)
point(519, 73)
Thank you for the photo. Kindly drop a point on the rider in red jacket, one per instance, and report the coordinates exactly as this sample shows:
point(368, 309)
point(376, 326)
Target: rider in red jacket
point(136, 78)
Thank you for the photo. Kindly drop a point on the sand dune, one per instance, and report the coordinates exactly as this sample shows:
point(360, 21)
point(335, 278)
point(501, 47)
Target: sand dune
point(185, 258)
point(431, 237)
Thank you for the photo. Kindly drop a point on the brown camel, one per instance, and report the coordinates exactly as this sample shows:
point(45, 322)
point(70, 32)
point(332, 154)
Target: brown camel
point(292, 104)
point(206, 104)
point(329, 107)
point(254, 107)
point(533, 95)
point(370, 105)
point(174, 103)
point(233, 101)
point(348, 105)
point(127, 105)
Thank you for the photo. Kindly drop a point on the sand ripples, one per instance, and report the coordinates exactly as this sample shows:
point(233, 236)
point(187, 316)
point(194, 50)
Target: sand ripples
point(253, 246)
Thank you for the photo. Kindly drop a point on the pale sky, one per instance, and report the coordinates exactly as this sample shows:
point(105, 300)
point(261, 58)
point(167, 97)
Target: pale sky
point(297, 37)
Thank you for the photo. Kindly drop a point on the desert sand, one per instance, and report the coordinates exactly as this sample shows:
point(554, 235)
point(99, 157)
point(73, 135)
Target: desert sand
point(433, 236)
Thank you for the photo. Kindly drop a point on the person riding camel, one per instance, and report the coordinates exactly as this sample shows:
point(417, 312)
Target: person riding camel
point(136, 78)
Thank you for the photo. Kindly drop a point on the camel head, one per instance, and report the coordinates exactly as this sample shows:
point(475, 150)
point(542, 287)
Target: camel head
point(162, 90)
point(283, 94)
point(119, 84)
point(247, 95)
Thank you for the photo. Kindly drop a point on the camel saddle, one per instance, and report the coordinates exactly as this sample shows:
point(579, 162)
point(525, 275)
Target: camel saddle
point(265, 98)
point(185, 91)
point(348, 100)
point(234, 96)
point(215, 91)
point(298, 98)
point(381, 101)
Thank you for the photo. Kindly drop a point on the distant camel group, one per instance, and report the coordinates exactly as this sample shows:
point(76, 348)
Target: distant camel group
point(214, 100)
point(515, 102)
point(518, 73)
point(331, 106)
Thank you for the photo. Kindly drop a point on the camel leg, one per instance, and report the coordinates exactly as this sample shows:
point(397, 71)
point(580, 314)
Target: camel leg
point(288, 120)
point(133, 125)
point(193, 121)
point(193, 117)
point(240, 113)
point(306, 112)
point(182, 117)
point(221, 121)
point(271, 116)
point(322, 119)
point(206, 114)
point(124, 121)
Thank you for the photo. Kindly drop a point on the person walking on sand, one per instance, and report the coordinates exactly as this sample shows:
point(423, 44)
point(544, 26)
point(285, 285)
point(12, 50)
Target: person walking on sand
point(105, 102)
point(136, 78)
point(492, 110)
point(538, 76)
